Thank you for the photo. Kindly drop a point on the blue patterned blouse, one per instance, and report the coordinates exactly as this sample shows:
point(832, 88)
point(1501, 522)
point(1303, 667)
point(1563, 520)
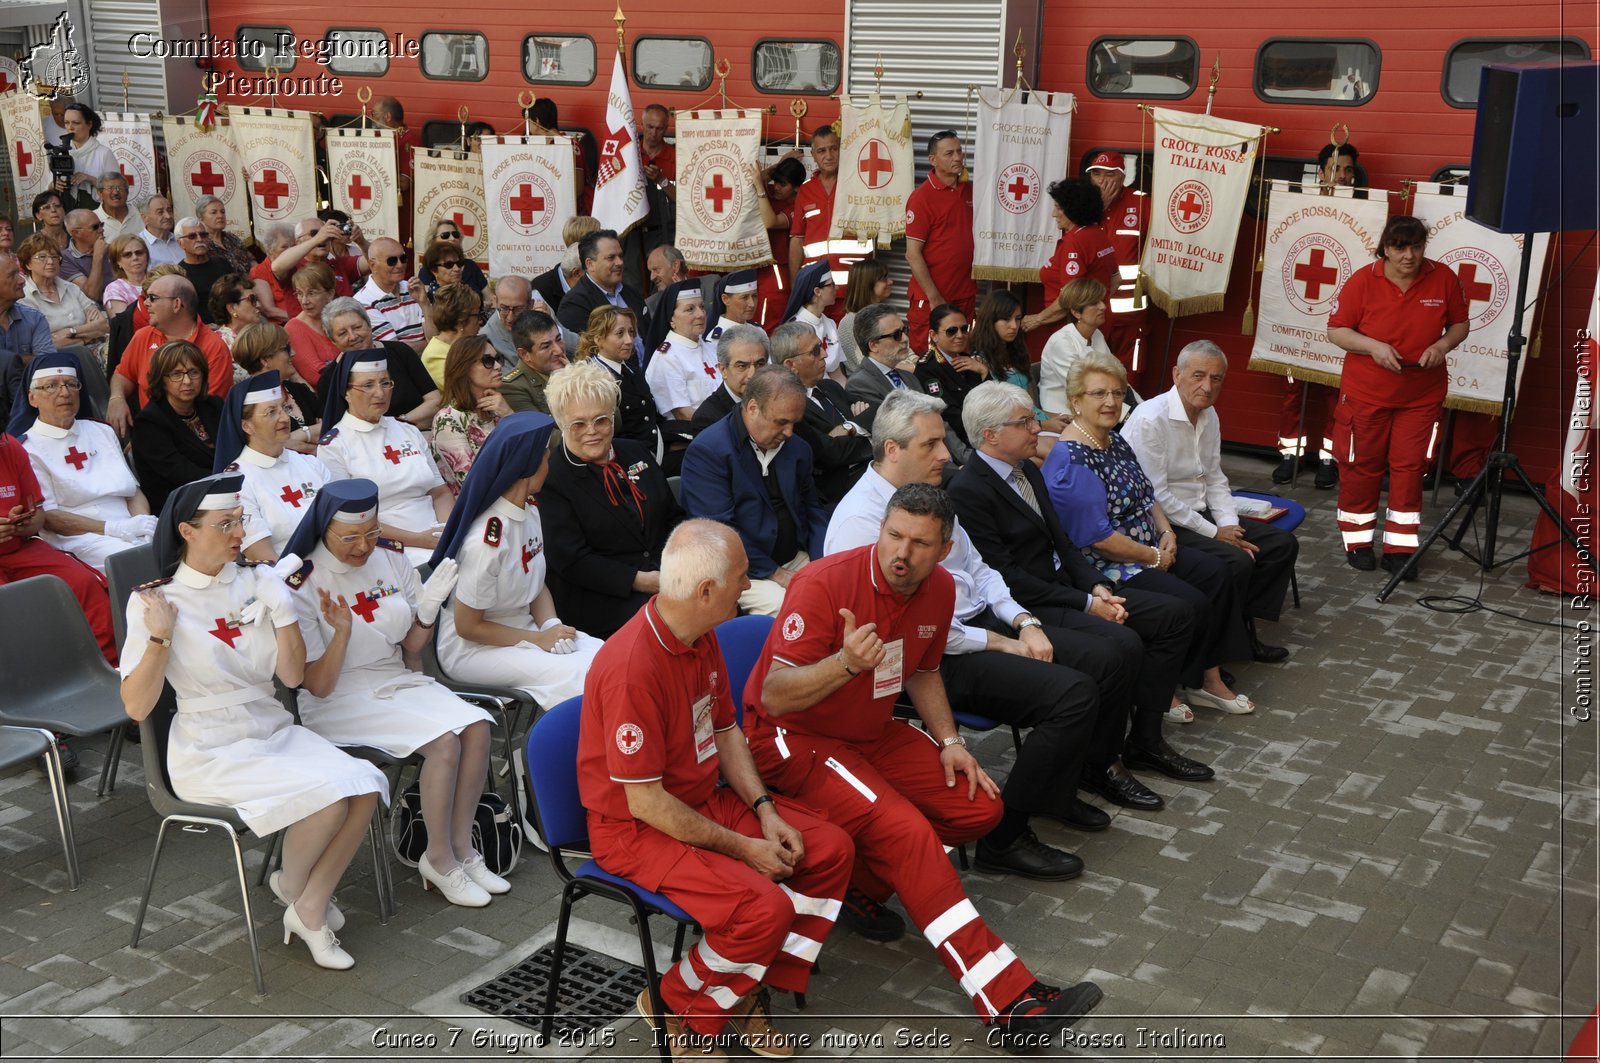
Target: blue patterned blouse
point(1099, 492)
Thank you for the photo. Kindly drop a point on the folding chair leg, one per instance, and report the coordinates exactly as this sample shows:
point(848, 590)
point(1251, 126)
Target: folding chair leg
point(108, 770)
point(380, 868)
point(1294, 585)
point(677, 942)
point(268, 862)
point(58, 797)
point(249, 916)
point(556, 959)
point(647, 952)
point(149, 883)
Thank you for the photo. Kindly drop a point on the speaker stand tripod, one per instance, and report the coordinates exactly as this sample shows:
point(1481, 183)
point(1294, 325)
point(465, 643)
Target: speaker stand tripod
point(1489, 484)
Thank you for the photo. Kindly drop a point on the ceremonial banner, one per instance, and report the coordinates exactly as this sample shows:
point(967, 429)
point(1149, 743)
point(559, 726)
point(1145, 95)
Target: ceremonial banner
point(205, 163)
point(1021, 148)
point(528, 180)
point(876, 171)
point(1488, 264)
point(280, 167)
point(30, 168)
point(363, 181)
point(449, 184)
point(619, 200)
point(719, 217)
point(1198, 186)
point(130, 139)
point(1316, 239)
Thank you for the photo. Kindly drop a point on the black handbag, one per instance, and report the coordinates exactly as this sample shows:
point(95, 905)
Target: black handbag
point(495, 833)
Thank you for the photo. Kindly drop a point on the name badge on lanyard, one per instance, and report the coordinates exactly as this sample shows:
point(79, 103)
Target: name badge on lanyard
point(888, 677)
point(705, 737)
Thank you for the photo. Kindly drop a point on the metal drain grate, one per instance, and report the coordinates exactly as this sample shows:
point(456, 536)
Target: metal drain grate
point(595, 990)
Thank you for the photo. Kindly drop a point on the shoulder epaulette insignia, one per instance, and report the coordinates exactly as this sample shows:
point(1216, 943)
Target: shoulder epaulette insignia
point(232, 468)
point(492, 531)
point(154, 583)
point(392, 544)
point(328, 436)
point(666, 345)
point(715, 333)
point(514, 374)
point(297, 579)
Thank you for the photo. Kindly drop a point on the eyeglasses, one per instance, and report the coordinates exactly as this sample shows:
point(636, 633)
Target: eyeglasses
point(178, 376)
point(56, 387)
point(365, 537)
point(373, 385)
point(897, 335)
point(45, 256)
point(1016, 422)
point(826, 282)
point(95, 226)
point(227, 527)
point(132, 251)
point(190, 236)
point(601, 424)
point(247, 297)
point(507, 310)
point(454, 263)
point(394, 260)
point(1101, 394)
point(957, 329)
point(489, 361)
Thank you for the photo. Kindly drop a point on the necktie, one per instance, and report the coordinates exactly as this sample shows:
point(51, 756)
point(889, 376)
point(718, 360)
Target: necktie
point(1025, 489)
point(894, 378)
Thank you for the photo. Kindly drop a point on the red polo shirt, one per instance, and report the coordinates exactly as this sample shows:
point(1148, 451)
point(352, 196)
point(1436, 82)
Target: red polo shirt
point(1409, 321)
point(809, 629)
point(135, 364)
point(282, 294)
point(940, 215)
point(640, 703)
point(1125, 220)
point(1082, 252)
point(18, 487)
point(666, 159)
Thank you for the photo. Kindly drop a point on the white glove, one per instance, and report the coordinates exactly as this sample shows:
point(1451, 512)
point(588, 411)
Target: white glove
point(560, 645)
point(435, 591)
point(131, 529)
point(272, 594)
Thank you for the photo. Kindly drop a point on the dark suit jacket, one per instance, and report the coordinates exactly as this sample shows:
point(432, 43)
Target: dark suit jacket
point(166, 454)
point(577, 304)
point(1017, 542)
point(838, 460)
point(717, 406)
point(548, 284)
point(868, 384)
point(596, 548)
point(950, 384)
point(722, 481)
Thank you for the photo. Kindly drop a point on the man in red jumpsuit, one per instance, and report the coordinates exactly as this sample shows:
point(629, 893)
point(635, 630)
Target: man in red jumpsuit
point(939, 245)
point(763, 876)
point(811, 216)
point(1397, 320)
point(856, 628)
point(1126, 214)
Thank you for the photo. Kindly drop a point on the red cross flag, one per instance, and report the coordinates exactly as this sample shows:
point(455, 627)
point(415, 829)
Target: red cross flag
point(876, 171)
point(363, 179)
point(1199, 180)
point(133, 143)
point(528, 189)
point(619, 199)
point(24, 143)
point(1487, 263)
point(1021, 148)
point(206, 163)
point(1316, 238)
point(719, 216)
point(448, 185)
point(280, 165)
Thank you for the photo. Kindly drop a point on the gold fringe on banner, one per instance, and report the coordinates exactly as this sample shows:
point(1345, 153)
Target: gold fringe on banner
point(1008, 274)
point(1468, 405)
point(1247, 323)
point(724, 267)
point(1195, 304)
point(1309, 376)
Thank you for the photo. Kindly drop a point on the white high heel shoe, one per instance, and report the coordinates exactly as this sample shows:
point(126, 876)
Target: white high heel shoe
point(325, 950)
point(456, 886)
point(478, 871)
point(333, 917)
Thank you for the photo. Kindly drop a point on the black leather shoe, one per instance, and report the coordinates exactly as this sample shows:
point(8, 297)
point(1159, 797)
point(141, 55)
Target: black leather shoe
point(1035, 1024)
point(1081, 816)
point(862, 915)
point(1361, 559)
point(1261, 651)
point(1029, 857)
point(1395, 562)
point(1284, 472)
point(1327, 474)
point(1117, 786)
point(1167, 761)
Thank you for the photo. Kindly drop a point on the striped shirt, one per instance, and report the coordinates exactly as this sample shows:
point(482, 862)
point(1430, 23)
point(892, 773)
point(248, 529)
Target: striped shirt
point(393, 317)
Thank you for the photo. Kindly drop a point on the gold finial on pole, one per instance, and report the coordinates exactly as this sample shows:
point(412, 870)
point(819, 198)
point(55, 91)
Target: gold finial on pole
point(1335, 139)
point(1019, 50)
point(877, 72)
point(526, 99)
point(621, 20)
point(272, 81)
point(125, 106)
point(364, 96)
point(797, 107)
point(1216, 76)
point(723, 68)
point(462, 114)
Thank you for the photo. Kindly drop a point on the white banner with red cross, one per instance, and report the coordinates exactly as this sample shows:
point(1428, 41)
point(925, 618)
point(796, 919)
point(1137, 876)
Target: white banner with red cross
point(1488, 264)
point(719, 216)
point(10, 75)
point(24, 129)
point(132, 141)
point(206, 163)
point(448, 185)
point(280, 165)
point(619, 199)
point(1021, 148)
point(876, 171)
point(363, 179)
point(527, 185)
point(1316, 239)
point(1198, 186)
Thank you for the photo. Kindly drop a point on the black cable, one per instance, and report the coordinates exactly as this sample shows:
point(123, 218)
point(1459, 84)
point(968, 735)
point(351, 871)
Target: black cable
point(1461, 605)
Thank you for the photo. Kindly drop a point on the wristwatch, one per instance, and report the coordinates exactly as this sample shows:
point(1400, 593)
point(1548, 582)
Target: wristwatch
point(1027, 622)
point(72, 330)
point(954, 740)
point(157, 640)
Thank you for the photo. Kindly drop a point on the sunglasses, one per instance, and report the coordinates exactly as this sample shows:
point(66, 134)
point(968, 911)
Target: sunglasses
point(897, 335)
point(957, 329)
point(449, 234)
point(455, 263)
point(489, 361)
point(394, 260)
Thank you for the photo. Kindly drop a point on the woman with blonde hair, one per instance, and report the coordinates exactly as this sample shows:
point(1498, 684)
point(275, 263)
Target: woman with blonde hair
point(1084, 300)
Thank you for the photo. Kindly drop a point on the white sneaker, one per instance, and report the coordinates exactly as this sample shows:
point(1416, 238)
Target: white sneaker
point(478, 871)
point(455, 885)
point(333, 916)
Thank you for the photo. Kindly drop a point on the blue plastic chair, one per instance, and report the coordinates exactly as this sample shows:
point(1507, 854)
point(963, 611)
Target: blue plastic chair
point(1288, 522)
point(562, 823)
point(741, 640)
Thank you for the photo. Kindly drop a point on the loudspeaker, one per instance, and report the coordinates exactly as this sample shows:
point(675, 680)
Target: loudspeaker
point(1536, 148)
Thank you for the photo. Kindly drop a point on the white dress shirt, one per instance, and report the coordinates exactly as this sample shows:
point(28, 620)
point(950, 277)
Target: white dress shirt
point(1183, 462)
point(1063, 348)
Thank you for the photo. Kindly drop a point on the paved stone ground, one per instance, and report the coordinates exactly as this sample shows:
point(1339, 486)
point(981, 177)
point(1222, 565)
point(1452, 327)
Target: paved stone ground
point(1398, 860)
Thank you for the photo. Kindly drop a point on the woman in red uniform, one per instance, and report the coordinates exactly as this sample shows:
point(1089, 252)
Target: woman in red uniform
point(1397, 321)
point(1084, 250)
point(772, 286)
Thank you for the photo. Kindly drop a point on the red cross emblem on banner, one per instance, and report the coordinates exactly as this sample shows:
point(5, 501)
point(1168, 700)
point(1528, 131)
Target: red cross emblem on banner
point(1314, 272)
point(126, 176)
point(875, 165)
point(207, 179)
point(365, 607)
point(526, 204)
point(269, 189)
point(461, 223)
point(1019, 188)
point(24, 160)
point(358, 191)
point(76, 458)
point(1190, 206)
point(1477, 291)
point(6, 84)
point(718, 193)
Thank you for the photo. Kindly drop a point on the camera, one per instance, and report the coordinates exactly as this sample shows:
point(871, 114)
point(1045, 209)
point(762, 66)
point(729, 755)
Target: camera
point(346, 227)
point(62, 168)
